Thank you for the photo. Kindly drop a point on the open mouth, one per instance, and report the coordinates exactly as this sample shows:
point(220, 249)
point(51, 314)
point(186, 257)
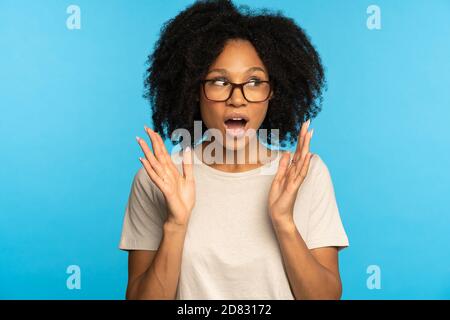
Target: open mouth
point(236, 126)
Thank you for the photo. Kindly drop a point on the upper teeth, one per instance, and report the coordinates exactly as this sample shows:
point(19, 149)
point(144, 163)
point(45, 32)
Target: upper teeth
point(237, 118)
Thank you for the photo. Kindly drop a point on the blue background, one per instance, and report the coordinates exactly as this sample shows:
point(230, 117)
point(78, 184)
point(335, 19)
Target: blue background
point(71, 106)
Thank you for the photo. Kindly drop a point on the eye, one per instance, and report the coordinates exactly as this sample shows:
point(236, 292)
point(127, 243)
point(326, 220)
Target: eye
point(219, 82)
point(254, 82)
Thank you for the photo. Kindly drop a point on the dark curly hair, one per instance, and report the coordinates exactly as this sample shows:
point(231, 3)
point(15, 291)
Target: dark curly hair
point(190, 42)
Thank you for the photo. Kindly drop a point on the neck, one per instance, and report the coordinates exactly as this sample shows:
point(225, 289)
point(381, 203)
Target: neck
point(240, 160)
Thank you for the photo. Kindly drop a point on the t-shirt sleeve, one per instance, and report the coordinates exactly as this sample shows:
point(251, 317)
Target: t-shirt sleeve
point(325, 227)
point(145, 214)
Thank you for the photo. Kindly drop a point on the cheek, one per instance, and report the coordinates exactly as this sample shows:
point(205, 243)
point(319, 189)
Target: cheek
point(259, 115)
point(210, 115)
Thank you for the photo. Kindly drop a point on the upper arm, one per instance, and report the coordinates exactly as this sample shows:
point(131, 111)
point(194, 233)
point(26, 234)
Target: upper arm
point(138, 263)
point(145, 214)
point(328, 258)
point(325, 228)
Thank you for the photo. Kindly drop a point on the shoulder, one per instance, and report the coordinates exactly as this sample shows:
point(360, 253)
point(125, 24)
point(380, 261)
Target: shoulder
point(141, 177)
point(142, 184)
point(317, 165)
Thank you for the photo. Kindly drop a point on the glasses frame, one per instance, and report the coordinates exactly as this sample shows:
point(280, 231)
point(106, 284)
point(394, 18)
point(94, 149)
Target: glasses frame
point(236, 85)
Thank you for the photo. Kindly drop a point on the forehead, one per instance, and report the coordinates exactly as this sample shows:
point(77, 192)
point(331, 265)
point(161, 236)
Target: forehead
point(238, 56)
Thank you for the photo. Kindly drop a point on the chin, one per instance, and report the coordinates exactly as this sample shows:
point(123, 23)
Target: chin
point(241, 142)
point(235, 144)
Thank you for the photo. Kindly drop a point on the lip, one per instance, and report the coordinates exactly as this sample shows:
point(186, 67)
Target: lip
point(237, 115)
point(241, 132)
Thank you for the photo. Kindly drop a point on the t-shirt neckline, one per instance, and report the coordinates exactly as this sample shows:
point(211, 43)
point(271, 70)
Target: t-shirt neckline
point(246, 173)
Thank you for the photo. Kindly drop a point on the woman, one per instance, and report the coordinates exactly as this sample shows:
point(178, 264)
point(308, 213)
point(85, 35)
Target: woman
point(211, 228)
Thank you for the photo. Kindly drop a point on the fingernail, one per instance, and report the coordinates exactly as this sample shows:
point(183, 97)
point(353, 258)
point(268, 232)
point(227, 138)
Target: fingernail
point(188, 149)
point(140, 159)
point(137, 139)
point(307, 123)
point(146, 129)
point(312, 131)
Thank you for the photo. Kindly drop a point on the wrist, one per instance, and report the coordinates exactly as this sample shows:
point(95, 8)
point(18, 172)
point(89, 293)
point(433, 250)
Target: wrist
point(284, 223)
point(175, 226)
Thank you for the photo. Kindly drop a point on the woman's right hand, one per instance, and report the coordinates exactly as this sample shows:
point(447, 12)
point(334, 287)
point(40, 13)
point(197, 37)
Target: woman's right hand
point(178, 190)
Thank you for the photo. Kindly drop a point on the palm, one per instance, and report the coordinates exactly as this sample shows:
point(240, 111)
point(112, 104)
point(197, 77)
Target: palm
point(289, 177)
point(281, 196)
point(181, 198)
point(178, 189)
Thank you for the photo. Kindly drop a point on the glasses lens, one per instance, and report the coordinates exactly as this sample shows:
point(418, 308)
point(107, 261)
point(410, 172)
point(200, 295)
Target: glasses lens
point(219, 90)
point(256, 91)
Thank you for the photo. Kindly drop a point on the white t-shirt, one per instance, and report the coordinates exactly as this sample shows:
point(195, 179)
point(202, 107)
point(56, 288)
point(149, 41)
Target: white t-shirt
point(231, 250)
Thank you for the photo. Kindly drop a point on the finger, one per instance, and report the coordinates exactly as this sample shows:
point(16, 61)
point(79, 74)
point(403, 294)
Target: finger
point(161, 152)
point(292, 171)
point(304, 171)
point(301, 139)
point(291, 166)
point(160, 183)
point(168, 158)
point(188, 170)
point(163, 146)
point(282, 167)
point(156, 165)
point(307, 142)
point(155, 144)
point(305, 152)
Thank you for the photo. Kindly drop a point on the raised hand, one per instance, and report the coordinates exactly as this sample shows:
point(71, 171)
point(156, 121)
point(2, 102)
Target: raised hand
point(289, 177)
point(178, 190)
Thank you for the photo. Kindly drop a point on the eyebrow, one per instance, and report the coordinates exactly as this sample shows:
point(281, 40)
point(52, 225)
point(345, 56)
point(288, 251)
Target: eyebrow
point(223, 71)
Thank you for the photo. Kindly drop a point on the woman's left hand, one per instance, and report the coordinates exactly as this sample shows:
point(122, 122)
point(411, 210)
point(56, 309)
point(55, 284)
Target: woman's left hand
point(289, 177)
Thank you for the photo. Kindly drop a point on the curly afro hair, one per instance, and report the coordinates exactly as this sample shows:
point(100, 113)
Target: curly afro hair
point(190, 42)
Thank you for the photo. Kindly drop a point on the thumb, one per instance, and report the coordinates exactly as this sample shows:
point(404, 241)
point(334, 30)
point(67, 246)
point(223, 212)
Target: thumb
point(188, 170)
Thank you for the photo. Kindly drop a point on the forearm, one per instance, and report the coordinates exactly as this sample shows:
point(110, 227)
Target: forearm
point(307, 277)
point(160, 281)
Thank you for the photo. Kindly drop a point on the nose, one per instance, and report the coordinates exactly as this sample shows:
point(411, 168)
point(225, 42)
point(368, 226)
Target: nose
point(237, 97)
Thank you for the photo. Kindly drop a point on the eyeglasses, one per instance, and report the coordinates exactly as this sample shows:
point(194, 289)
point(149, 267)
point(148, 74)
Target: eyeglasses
point(220, 90)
